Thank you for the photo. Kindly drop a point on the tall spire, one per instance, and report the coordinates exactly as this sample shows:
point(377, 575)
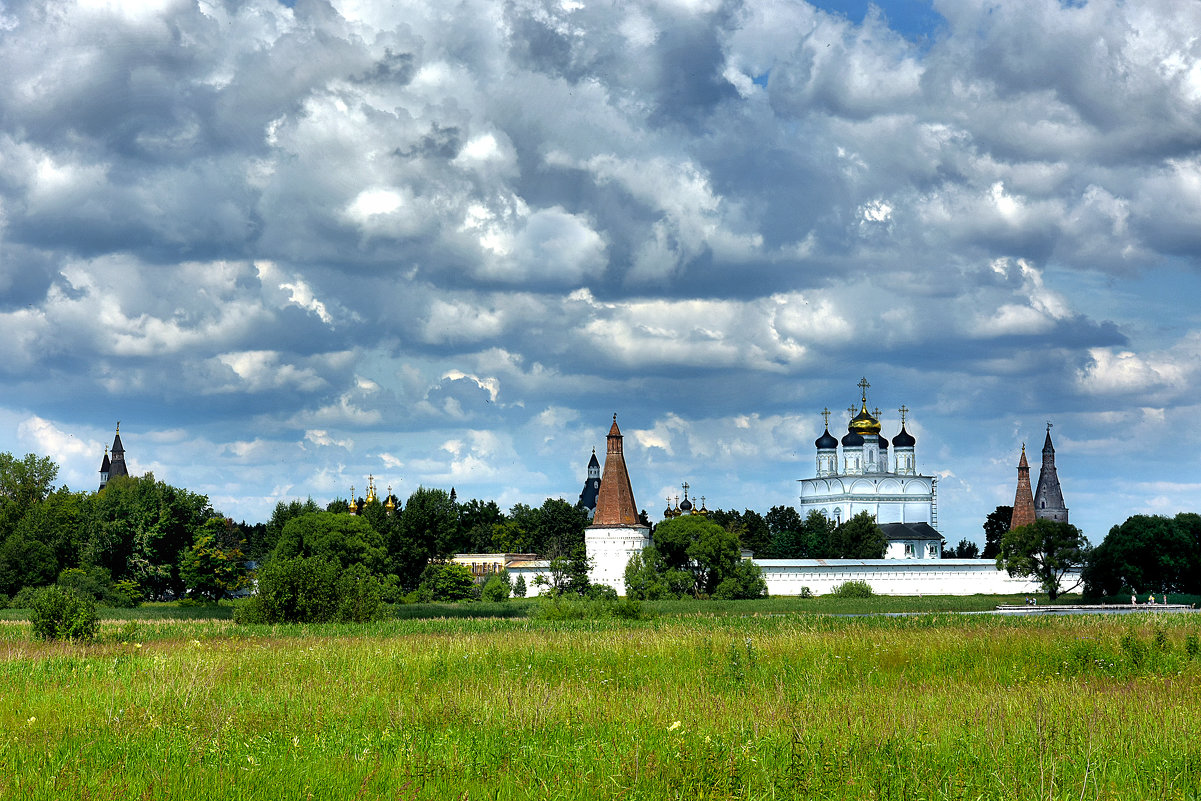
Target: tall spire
point(1048, 497)
point(117, 464)
point(1023, 501)
point(615, 500)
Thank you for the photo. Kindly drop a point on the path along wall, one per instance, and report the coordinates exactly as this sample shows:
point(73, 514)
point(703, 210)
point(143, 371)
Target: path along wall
point(898, 577)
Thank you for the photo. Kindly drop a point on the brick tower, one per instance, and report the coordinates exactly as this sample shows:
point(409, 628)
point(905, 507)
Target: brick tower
point(616, 533)
point(1023, 501)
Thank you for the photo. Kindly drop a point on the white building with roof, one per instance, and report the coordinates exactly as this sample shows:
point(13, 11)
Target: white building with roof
point(863, 478)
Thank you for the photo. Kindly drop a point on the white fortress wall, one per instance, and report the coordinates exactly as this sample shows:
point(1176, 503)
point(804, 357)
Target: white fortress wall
point(897, 576)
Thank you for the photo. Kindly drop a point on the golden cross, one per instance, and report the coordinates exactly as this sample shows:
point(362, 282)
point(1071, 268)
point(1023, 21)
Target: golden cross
point(904, 410)
point(864, 385)
point(826, 416)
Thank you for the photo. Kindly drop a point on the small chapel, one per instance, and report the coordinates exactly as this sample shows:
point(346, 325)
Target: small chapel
point(868, 479)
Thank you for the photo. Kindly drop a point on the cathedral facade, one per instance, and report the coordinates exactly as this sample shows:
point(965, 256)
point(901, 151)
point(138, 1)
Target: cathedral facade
point(866, 477)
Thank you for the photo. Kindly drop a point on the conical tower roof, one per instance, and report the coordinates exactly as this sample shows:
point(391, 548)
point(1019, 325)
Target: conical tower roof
point(1048, 496)
point(117, 465)
point(1023, 501)
point(615, 501)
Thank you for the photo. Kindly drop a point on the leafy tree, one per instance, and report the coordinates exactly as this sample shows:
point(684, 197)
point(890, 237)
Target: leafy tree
point(25, 562)
point(214, 567)
point(692, 546)
point(966, 549)
point(476, 522)
point(744, 583)
point(139, 529)
point(1146, 553)
point(260, 546)
point(428, 526)
point(446, 582)
point(97, 584)
point(1045, 550)
point(519, 588)
point(559, 527)
point(817, 536)
point(859, 538)
point(344, 539)
point(568, 574)
point(23, 483)
point(645, 576)
point(995, 526)
point(786, 529)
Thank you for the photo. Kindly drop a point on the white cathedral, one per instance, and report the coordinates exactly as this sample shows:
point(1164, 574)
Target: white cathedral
point(901, 501)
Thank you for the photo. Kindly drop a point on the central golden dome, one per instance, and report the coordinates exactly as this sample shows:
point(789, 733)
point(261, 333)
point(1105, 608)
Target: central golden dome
point(864, 424)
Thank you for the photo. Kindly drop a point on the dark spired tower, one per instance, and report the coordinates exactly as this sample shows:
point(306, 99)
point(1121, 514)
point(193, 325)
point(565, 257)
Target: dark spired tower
point(1048, 497)
point(591, 486)
point(114, 465)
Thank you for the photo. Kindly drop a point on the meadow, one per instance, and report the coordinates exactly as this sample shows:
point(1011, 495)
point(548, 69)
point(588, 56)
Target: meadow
point(695, 703)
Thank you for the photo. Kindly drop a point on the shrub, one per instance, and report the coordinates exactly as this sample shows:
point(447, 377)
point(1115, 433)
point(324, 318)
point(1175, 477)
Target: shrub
point(24, 598)
point(60, 614)
point(806, 592)
point(312, 590)
point(853, 589)
point(745, 582)
point(3, 601)
point(519, 587)
point(446, 582)
point(600, 592)
point(495, 590)
point(97, 584)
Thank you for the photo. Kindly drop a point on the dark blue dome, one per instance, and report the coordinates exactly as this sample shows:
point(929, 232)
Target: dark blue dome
point(883, 442)
point(904, 439)
point(852, 440)
point(826, 441)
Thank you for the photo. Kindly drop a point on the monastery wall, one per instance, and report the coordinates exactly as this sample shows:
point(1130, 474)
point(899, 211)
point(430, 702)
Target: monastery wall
point(896, 576)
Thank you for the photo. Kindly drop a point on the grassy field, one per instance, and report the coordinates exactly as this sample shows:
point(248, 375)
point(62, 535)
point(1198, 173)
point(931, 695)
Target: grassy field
point(690, 704)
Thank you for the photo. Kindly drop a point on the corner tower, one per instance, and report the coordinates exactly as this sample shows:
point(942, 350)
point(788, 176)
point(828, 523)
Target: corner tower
point(1048, 497)
point(113, 465)
point(616, 533)
point(1023, 500)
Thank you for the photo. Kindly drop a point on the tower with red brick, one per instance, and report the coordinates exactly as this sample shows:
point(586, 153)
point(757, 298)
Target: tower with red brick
point(1023, 501)
point(616, 532)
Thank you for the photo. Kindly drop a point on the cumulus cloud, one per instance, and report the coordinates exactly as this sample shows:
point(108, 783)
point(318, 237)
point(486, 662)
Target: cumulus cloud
point(334, 229)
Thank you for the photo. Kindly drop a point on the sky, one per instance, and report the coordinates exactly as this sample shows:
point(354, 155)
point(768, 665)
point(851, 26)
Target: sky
point(289, 246)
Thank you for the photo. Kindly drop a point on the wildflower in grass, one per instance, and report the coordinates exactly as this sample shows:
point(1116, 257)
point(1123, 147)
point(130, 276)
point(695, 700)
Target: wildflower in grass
point(675, 724)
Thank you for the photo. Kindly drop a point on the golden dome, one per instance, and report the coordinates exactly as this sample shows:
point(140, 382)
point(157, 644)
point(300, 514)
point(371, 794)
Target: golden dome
point(864, 424)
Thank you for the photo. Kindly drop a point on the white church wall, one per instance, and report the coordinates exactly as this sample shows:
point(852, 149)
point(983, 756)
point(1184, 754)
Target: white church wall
point(610, 549)
point(896, 576)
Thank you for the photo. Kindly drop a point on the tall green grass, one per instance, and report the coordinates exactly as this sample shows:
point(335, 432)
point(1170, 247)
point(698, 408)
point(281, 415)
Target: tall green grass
point(774, 706)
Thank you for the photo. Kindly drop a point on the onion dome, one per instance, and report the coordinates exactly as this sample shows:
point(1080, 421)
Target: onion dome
point(864, 424)
point(826, 441)
point(852, 440)
point(883, 442)
point(904, 439)
point(685, 506)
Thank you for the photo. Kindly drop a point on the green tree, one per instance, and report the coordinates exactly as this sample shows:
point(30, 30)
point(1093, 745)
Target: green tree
point(214, 567)
point(23, 483)
point(312, 589)
point(744, 583)
point(260, 547)
point(859, 538)
point(344, 539)
point(1144, 554)
point(446, 582)
point(496, 589)
point(995, 526)
point(1046, 550)
point(785, 526)
point(697, 547)
point(966, 549)
point(519, 588)
point(476, 521)
point(140, 528)
point(517, 532)
point(428, 526)
point(59, 614)
point(559, 527)
point(817, 536)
